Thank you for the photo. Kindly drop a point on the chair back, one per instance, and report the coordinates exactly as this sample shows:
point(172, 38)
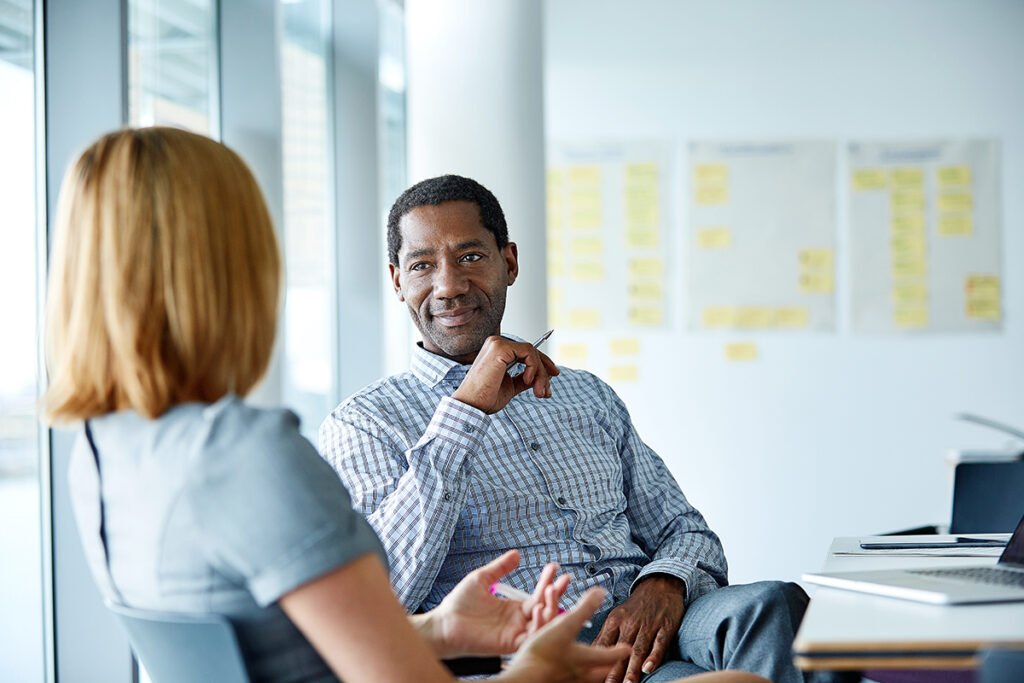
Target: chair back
point(988, 497)
point(179, 647)
point(1002, 666)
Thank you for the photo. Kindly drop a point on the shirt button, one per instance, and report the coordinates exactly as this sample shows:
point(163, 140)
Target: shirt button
point(447, 495)
point(535, 446)
point(468, 429)
point(591, 568)
point(562, 500)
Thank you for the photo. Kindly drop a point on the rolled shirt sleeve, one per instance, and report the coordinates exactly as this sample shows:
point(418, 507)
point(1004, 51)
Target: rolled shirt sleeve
point(412, 497)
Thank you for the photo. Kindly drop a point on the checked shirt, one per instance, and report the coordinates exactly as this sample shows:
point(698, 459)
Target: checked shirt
point(565, 479)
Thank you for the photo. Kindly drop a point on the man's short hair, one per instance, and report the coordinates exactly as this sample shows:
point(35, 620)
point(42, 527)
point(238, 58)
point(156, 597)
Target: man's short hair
point(446, 188)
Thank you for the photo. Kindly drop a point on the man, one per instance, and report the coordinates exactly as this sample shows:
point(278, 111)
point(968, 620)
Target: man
point(486, 445)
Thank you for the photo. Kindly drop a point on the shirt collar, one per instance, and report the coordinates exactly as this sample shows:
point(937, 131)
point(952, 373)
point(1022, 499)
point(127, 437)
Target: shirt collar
point(432, 369)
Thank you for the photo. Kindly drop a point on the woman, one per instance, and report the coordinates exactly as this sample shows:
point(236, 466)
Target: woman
point(161, 313)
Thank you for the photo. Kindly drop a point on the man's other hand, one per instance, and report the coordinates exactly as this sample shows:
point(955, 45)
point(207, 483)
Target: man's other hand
point(647, 621)
point(489, 387)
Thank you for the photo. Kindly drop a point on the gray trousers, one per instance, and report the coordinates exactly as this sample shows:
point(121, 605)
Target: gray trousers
point(748, 627)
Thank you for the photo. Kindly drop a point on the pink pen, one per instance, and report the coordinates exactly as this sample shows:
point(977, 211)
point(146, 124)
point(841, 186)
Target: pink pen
point(503, 590)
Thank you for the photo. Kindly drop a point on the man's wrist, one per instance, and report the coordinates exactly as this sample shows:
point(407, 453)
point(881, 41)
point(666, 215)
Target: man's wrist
point(663, 583)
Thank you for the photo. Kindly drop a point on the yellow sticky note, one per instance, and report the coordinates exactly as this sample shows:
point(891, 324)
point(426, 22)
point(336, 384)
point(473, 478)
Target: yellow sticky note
point(982, 287)
point(585, 200)
point(916, 268)
point(623, 373)
point(907, 177)
point(556, 266)
point(714, 238)
point(984, 309)
point(953, 175)
point(556, 296)
point(554, 220)
point(555, 180)
point(646, 267)
point(955, 201)
point(584, 318)
point(712, 196)
point(571, 353)
point(587, 272)
point(646, 290)
point(912, 222)
point(910, 317)
point(587, 246)
point(641, 195)
point(711, 174)
point(585, 219)
point(641, 173)
point(585, 174)
point(905, 246)
point(817, 283)
point(795, 317)
point(740, 352)
point(624, 346)
point(555, 244)
point(755, 317)
point(910, 294)
point(912, 200)
point(955, 225)
point(642, 214)
point(647, 237)
point(645, 316)
point(870, 179)
point(816, 258)
point(718, 316)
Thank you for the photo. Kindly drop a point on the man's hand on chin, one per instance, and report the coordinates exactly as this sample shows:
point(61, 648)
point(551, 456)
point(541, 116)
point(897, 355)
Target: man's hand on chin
point(489, 387)
point(647, 620)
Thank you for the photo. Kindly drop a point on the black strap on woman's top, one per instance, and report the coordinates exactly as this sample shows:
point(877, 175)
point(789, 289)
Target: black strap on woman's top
point(99, 480)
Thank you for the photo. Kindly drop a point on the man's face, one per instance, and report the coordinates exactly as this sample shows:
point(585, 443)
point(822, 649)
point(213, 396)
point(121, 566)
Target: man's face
point(453, 277)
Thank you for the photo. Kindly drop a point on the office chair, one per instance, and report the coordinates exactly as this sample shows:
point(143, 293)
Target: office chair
point(987, 497)
point(1002, 666)
point(177, 647)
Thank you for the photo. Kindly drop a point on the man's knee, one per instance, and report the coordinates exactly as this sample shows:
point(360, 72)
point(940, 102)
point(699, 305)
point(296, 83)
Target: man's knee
point(778, 598)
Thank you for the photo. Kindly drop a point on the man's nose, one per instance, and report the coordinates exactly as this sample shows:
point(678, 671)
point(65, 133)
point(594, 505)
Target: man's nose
point(449, 281)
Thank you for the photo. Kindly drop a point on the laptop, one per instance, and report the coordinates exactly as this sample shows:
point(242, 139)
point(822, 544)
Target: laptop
point(1002, 582)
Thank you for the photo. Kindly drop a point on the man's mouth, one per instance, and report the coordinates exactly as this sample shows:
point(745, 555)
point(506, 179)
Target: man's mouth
point(455, 317)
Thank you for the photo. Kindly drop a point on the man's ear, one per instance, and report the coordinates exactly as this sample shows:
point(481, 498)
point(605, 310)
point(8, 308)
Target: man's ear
point(396, 280)
point(510, 252)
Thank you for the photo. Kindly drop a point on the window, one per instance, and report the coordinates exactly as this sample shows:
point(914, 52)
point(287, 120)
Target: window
point(172, 64)
point(309, 374)
point(21, 548)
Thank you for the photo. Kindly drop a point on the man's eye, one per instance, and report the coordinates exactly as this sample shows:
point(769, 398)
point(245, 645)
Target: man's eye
point(470, 258)
point(419, 266)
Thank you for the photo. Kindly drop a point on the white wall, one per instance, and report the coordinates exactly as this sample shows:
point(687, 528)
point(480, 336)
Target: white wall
point(826, 434)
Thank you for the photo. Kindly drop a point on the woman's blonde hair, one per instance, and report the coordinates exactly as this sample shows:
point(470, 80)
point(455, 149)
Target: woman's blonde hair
point(164, 280)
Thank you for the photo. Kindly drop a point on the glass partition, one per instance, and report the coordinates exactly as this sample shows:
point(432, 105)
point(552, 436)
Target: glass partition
point(21, 445)
point(172, 64)
point(309, 375)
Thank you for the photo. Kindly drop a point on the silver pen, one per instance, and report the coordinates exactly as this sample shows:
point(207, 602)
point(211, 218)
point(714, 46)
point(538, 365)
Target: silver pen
point(536, 345)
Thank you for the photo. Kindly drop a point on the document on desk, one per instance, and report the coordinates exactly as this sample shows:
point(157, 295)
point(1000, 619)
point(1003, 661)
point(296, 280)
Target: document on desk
point(851, 546)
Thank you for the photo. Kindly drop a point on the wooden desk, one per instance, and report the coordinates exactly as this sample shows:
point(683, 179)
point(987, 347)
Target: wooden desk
point(845, 630)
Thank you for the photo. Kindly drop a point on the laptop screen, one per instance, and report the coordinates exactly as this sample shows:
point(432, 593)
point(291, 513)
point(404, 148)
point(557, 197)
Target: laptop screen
point(1014, 553)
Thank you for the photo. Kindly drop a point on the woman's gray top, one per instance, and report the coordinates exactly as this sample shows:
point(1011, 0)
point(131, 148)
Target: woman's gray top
point(218, 508)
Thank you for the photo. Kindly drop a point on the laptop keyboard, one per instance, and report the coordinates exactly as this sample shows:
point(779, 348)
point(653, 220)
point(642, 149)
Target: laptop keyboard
point(991, 575)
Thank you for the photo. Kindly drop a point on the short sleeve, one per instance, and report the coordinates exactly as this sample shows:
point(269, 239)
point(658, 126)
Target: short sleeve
point(269, 510)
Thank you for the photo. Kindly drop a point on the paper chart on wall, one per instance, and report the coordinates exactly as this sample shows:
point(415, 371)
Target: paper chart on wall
point(609, 240)
point(760, 238)
point(925, 246)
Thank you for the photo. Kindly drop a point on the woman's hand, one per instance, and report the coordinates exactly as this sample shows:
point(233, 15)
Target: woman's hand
point(553, 655)
point(471, 621)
